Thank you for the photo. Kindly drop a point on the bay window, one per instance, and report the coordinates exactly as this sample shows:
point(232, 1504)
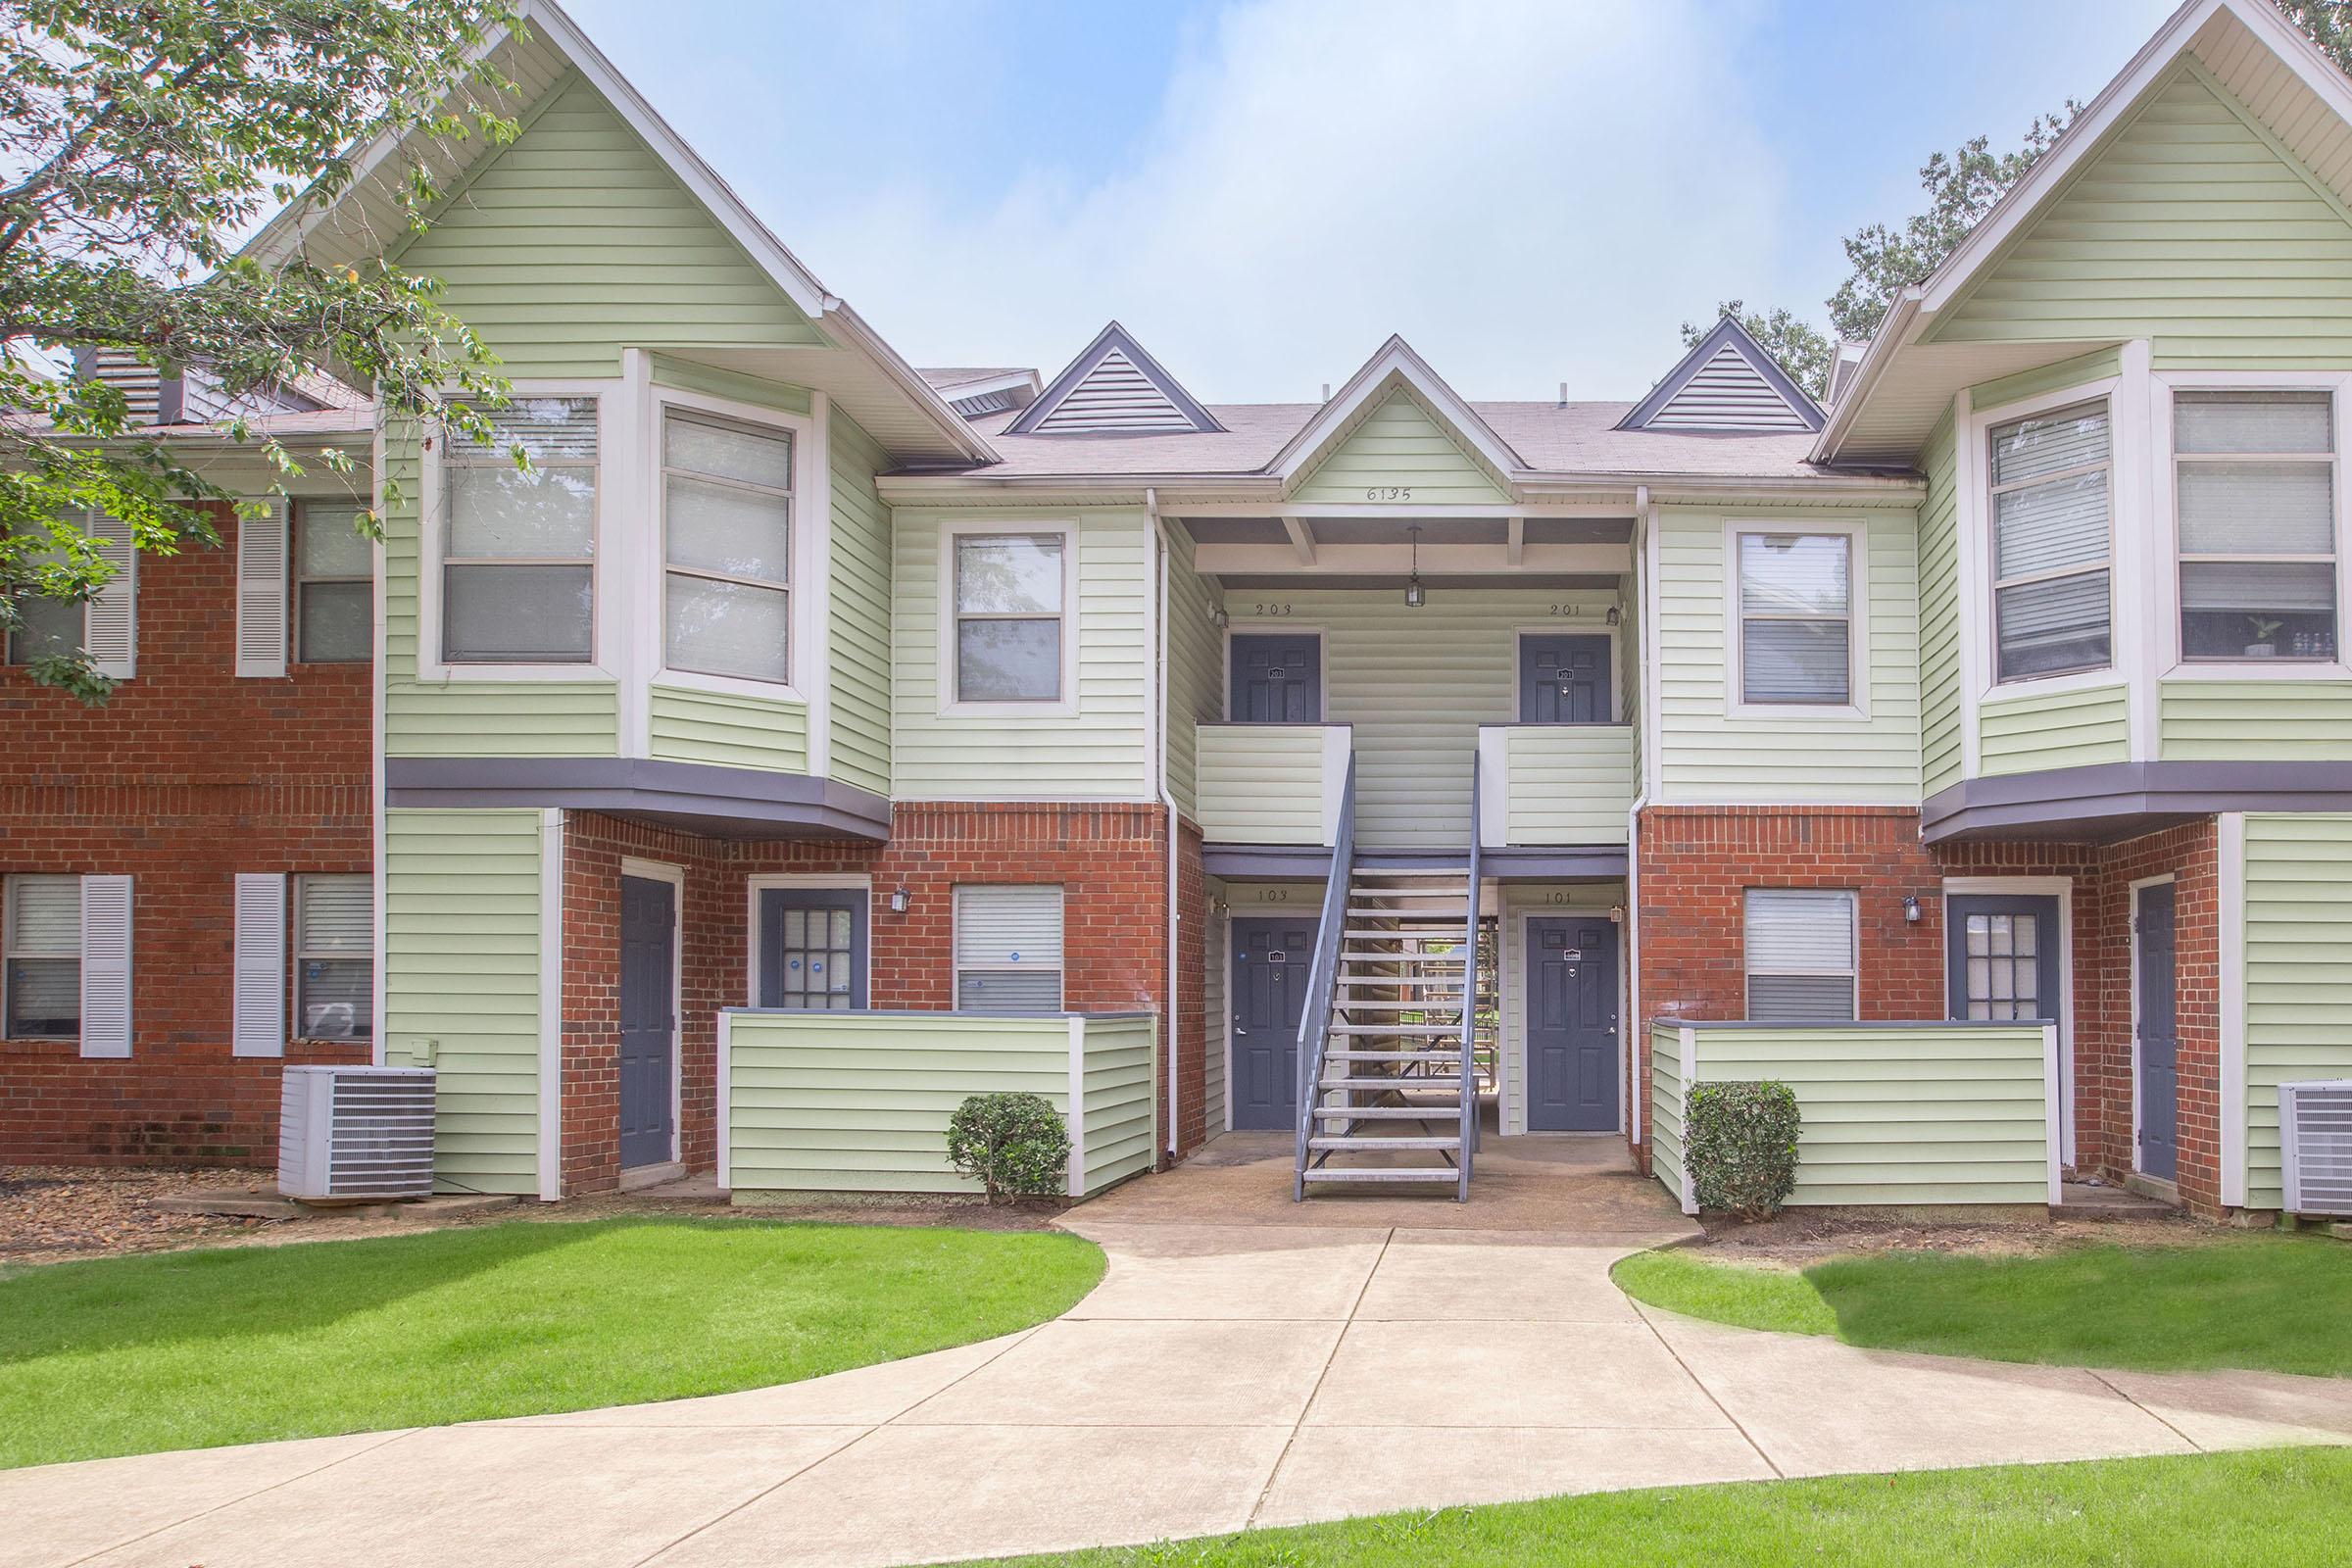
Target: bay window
point(2254, 497)
point(2052, 504)
point(1009, 590)
point(1796, 618)
point(726, 505)
point(518, 549)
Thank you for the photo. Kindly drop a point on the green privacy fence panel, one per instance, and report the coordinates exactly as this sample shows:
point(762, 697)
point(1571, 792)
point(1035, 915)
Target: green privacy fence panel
point(858, 1101)
point(2298, 987)
point(1895, 1113)
point(1666, 1108)
point(1271, 783)
point(1555, 783)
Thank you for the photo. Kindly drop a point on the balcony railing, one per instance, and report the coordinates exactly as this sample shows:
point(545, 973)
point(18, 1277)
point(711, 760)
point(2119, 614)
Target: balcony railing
point(1905, 1113)
point(1544, 784)
point(1272, 783)
point(858, 1101)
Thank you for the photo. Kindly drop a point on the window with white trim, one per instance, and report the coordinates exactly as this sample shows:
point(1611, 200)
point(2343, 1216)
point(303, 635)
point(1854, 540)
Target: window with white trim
point(518, 549)
point(1797, 622)
point(726, 507)
point(335, 958)
point(42, 970)
point(1009, 593)
point(2052, 504)
point(2255, 497)
point(1009, 949)
point(1800, 956)
point(334, 585)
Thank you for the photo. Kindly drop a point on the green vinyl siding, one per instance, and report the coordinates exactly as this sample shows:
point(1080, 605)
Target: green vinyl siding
point(860, 611)
point(1399, 445)
point(576, 242)
point(2298, 986)
point(1942, 759)
point(2255, 720)
point(2083, 369)
point(1195, 667)
point(1264, 783)
point(859, 1102)
point(1101, 751)
point(1120, 1077)
point(728, 729)
point(1416, 684)
point(2191, 227)
point(2061, 729)
point(688, 375)
point(1566, 783)
point(1908, 1115)
point(1709, 753)
point(1666, 1106)
point(462, 947)
point(470, 717)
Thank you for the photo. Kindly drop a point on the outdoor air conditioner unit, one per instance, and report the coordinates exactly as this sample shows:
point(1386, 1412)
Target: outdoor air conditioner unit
point(2315, 1137)
point(356, 1132)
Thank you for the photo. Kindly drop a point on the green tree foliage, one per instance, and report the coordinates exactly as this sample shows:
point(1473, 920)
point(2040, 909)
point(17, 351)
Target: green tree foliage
point(2327, 22)
point(140, 140)
point(1799, 347)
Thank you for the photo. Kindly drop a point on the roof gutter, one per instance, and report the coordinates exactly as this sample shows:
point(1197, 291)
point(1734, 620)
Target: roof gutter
point(1896, 487)
point(857, 336)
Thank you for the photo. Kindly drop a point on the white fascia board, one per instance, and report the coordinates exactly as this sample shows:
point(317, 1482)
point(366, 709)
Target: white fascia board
point(1394, 358)
point(1901, 327)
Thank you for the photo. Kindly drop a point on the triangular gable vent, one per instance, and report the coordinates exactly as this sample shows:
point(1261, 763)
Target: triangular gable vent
point(1114, 388)
point(1727, 382)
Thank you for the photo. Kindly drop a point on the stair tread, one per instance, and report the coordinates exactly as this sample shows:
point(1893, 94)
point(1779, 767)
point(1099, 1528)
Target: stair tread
point(1388, 1112)
point(1450, 1083)
point(1393, 1056)
point(1418, 1031)
point(1384, 1140)
point(1431, 1173)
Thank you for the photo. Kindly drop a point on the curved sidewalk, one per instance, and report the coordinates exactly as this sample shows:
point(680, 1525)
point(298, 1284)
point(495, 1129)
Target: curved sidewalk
point(1220, 1376)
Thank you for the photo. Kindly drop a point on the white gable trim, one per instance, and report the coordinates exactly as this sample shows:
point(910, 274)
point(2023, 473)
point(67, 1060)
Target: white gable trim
point(1394, 365)
point(1726, 341)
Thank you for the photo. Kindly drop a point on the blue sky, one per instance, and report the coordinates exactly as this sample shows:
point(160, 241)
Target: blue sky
point(1531, 191)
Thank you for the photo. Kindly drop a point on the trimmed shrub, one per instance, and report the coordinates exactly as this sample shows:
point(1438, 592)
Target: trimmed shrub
point(1741, 1142)
point(1014, 1144)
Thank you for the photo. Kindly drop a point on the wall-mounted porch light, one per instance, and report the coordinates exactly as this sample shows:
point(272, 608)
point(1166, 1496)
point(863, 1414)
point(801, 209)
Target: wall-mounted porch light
point(1415, 595)
point(899, 898)
point(1218, 618)
point(1911, 912)
point(1612, 616)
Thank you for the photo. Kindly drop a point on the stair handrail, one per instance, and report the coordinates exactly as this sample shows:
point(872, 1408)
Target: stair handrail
point(1469, 1134)
point(1322, 975)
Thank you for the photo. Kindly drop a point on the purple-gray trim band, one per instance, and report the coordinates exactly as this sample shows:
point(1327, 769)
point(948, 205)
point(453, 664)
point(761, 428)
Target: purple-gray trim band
point(730, 801)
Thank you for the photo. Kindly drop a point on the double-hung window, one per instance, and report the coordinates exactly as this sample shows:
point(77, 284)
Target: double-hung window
point(44, 625)
point(42, 972)
point(2254, 490)
point(1800, 956)
point(335, 963)
point(335, 593)
point(1796, 618)
point(1009, 595)
point(1008, 950)
point(726, 501)
point(518, 549)
point(2052, 499)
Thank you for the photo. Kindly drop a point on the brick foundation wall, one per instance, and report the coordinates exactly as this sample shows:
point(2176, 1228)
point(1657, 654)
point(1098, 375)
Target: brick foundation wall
point(1112, 860)
point(185, 777)
point(1697, 864)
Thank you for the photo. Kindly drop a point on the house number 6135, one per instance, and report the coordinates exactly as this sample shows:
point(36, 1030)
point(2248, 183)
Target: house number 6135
point(1387, 492)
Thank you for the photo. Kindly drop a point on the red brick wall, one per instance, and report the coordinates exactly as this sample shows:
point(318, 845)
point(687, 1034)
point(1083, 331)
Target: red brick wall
point(1697, 864)
point(1110, 859)
point(186, 778)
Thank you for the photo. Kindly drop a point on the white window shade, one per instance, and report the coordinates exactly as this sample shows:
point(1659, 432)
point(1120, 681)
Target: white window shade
point(1009, 605)
point(727, 515)
point(41, 926)
point(1800, 956)
point(2052, 519)
point(258, 1001)
point(518, 581)
point(2255, 508)
point(1008, 956)
point(335, 958)
point(1795, 618)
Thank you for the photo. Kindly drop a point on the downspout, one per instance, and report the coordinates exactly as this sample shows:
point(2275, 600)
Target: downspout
point(1159, 779)
point(1645, 531)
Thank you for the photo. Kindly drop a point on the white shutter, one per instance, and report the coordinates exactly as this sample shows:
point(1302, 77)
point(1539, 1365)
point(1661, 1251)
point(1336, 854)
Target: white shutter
point(106, 966)
point(999, 927)
point(110, 619)
point(259, 1028)
point(261, 592)
point(1799, 931)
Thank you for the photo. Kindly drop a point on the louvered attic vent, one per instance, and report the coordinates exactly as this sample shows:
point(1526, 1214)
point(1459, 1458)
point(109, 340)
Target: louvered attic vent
point(1729, 385)
point(1114, 388)
point(2315, 1135)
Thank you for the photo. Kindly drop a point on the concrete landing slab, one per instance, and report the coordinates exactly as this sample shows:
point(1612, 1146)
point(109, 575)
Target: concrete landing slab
point(1173, 1372)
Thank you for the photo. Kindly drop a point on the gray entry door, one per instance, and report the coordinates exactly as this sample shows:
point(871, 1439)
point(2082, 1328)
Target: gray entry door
point(649, 1027)
point(812, 948)
point(1277, 678)
point(2001, 956)
point(1571, 1025)
point(2157, 1050)
point(1563, 680)
point(1270, 962)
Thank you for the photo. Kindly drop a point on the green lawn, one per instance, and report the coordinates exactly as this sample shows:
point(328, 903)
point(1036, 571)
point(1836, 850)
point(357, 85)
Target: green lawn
point(237, 1344)
point(2266, 1509)
point(2278, 1303)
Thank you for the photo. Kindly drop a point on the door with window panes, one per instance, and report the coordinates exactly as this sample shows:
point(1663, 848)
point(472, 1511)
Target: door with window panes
point(2002, 958)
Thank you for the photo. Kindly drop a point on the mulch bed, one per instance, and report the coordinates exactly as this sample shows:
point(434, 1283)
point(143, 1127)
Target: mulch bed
point(1799, 1238)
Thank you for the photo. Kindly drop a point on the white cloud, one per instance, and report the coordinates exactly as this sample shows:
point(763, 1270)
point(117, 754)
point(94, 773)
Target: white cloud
point(1530, 191)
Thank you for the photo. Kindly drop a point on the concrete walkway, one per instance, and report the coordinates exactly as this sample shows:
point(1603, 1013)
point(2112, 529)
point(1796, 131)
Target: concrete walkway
point(1221, 1376)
